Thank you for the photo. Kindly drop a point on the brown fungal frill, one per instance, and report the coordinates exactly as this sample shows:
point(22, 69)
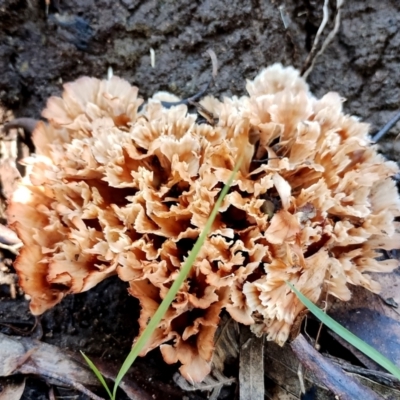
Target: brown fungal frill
point(118, 190)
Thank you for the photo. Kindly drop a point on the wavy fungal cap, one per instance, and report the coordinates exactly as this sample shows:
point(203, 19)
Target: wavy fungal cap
point(115, 190)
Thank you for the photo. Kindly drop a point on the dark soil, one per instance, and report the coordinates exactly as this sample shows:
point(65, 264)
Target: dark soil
point(85, 37)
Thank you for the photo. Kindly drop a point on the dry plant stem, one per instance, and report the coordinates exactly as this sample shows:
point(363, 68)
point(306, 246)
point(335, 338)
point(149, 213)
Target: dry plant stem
point(284, 17)
point(267, 159)
point(332, 34)
point(27, 369)
point(300, 374)
point(47, 7)
point(321, 28)
point(386, 128)
point(316, 345)
point(51, 394)
point(214, 62)
point(19, 331)
point(189, 100)
point(27, 124)
point(9, 324)
point(152, 58)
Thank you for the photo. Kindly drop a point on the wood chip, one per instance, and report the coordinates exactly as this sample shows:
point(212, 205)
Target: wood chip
point(251, 372)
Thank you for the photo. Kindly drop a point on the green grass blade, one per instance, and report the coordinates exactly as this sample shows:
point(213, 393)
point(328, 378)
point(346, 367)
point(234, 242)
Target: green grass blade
point(162, 309)
point(98, 374)
point(347, 335)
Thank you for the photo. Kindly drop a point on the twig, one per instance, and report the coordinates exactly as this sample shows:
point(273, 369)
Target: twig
point(37, 323)
point(267, 159)
point(316, 345)
point(28, 125)
point(284, 17)
point(300, 375)
point(51, 394)
point(27, 369)
point(110, 73)
point(332, 34)
point(321, 28)
point(386, 128)
point(152, 58)
point(214, 62)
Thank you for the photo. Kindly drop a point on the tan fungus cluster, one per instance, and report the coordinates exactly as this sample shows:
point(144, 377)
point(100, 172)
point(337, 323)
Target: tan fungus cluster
point(114, 189)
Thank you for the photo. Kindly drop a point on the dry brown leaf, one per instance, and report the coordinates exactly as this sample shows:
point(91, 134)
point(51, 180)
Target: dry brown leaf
point(28, 356)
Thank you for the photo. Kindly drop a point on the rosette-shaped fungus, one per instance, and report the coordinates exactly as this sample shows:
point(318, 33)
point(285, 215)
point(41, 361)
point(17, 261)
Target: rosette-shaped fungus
point(115, 190)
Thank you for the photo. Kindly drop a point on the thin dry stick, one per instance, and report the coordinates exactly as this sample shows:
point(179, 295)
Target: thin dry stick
point(386, 128)
point(321, 28)
point(284, 17)
point(51, 394)
point(27, 369)
point(316, 345)
point(300, 375)
point(300, 369)
point(214, 62)
point(152, 58)
point(328, 40)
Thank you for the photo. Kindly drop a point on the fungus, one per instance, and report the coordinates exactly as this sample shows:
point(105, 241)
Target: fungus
point(115, 190)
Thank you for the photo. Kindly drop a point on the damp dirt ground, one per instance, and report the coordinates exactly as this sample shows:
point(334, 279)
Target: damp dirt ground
point(86, 37)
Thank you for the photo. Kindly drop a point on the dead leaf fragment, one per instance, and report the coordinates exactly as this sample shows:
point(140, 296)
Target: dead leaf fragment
point(26, 356)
